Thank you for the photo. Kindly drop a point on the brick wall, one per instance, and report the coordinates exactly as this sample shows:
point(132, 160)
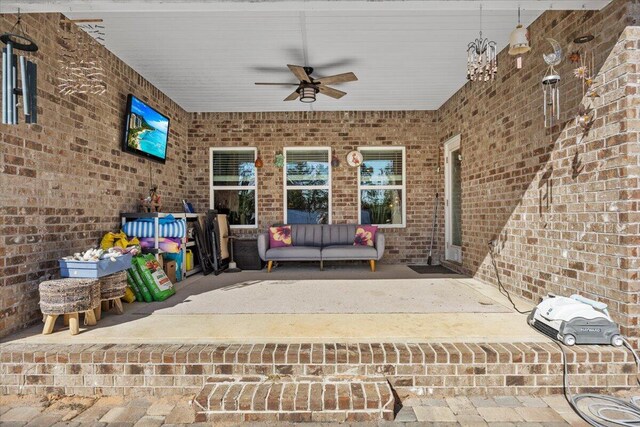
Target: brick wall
point(64, 181)
point(343, 132)
point(562, 206)
point(412, 369)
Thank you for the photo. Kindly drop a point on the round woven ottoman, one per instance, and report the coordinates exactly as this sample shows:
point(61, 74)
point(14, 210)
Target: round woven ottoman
point(112, 288)
point(69, 297)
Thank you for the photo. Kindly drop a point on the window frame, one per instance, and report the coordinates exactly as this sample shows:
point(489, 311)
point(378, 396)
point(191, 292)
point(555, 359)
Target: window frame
point(287, 187)
point(212, 188)
point(402, 187)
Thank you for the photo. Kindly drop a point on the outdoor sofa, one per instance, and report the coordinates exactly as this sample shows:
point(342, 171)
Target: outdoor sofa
point(321, 243)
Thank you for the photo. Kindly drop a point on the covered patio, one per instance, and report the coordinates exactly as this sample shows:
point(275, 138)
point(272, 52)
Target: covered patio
point(343, 303)
point(398, 214)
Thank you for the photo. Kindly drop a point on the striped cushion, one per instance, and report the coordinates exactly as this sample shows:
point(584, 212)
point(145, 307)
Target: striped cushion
point(145, 229)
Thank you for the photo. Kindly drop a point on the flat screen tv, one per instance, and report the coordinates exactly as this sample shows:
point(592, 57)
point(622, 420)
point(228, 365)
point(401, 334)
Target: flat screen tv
point(146, 131)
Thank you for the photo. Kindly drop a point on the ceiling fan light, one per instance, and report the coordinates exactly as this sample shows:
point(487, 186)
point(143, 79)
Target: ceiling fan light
point(307, 94)
point(519, 41)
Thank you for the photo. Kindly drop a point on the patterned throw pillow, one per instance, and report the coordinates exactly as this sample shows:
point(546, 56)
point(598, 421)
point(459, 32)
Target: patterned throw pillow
point(280, 236)
point(365, 235)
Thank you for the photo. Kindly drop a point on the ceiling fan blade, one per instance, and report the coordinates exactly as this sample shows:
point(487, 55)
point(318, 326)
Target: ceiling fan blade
point(338, 78)
point(299, 72)
point(279, 84)
point(329, 91)
point(292, 97)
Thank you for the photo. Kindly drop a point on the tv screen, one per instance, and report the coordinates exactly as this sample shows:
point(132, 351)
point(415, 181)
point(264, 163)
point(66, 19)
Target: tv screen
point(146, 130)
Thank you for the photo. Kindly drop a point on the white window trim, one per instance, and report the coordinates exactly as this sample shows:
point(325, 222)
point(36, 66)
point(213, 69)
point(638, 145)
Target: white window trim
point(306, 187)
point(402, 187)
point(212, 188)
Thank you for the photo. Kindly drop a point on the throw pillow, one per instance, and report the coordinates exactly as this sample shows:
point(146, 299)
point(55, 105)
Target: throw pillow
point(365, 235)
point(280, 236)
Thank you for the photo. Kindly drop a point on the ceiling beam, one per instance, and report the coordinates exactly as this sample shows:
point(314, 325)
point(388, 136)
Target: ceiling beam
point(141, 6)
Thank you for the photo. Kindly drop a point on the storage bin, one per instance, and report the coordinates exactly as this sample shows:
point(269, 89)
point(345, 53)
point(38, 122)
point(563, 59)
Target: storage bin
point(94, 269)
point(245, 254)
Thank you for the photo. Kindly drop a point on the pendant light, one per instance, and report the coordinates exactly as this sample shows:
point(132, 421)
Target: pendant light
point(482, 61)
point(519, 42)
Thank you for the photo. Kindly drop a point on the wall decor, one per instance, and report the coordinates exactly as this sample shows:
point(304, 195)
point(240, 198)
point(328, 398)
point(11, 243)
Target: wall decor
point(258, 163)
point(14, 66)
point(354, 158)
point(519, 42)
point(81, 70)
point(279, 160)
point(335, 161)
point(583, 58)
point(482, 59)
point(585, 117)
point(551, 85)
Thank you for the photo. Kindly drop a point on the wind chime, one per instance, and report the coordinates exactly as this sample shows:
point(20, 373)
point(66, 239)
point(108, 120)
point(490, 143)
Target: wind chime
point(519, 42)
point(482, 60)
point(81, 70)
point(583, 58)
point(17, 40)
point(551, 85)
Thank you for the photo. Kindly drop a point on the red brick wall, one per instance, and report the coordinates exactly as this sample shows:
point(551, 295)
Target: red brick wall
point(563, 208)
point(64, 181)
point(343, 132)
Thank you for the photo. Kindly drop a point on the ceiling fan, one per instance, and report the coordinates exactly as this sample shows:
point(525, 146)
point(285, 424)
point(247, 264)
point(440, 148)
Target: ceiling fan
point(310, 86)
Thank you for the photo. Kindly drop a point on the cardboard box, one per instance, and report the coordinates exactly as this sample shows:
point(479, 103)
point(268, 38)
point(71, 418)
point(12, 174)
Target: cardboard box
point(170, 270)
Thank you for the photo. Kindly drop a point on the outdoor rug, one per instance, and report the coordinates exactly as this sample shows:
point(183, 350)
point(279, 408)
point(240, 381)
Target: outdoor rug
point(431, 269)
point(443, 295)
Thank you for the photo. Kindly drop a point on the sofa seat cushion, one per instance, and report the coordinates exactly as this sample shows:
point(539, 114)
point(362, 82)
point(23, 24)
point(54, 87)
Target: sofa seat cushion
point(348, 252)
point(293, 253)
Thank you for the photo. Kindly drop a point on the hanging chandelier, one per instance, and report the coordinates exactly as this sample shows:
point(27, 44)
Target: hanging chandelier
point(482, 61)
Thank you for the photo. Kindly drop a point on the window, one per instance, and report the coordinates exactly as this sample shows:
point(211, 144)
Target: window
point(234, 184)
point(307, 185)
point(382, 186)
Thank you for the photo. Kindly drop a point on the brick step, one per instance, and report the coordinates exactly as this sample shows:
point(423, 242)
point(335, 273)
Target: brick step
point(295, 399)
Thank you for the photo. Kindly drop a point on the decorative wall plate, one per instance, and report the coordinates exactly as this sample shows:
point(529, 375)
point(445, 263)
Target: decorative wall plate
point(354, 158)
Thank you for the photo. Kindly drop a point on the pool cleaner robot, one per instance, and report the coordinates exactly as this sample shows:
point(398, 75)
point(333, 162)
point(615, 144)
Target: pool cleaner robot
point(575, 320)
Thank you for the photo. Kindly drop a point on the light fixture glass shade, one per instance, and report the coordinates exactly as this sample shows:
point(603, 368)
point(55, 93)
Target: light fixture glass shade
point(482, 60)
point(307, 94)
point(519, 41)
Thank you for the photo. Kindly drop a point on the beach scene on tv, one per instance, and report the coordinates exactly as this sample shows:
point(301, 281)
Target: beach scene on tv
point(147, 129)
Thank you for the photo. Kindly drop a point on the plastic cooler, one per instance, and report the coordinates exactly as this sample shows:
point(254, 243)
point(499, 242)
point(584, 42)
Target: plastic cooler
point(94, 269)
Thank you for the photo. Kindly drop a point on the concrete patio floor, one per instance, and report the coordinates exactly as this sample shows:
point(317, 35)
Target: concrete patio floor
point(158, 322)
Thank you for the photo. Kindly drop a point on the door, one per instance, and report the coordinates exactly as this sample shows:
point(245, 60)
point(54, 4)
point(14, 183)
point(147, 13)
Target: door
point(453, 200)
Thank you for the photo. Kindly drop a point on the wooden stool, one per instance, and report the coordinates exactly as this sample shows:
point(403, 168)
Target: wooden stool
point(112, 288)
point(69, 297)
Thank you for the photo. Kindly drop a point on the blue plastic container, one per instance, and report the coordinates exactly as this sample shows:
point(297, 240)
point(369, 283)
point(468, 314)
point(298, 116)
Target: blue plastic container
point(94, 269)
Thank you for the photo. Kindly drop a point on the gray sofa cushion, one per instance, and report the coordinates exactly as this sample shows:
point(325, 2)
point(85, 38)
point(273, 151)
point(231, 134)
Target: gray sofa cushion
point(306, 235)
point(338, 234)
point(347, 252)
point(293, 253)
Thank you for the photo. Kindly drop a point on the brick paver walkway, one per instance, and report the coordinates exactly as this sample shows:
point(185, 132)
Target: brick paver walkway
point(176, 410)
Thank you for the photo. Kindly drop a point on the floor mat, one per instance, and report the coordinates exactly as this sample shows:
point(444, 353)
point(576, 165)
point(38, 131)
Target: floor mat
point(431, 269)
point(336, 296)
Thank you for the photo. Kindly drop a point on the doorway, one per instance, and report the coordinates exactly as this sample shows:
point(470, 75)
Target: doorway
point(453, 199)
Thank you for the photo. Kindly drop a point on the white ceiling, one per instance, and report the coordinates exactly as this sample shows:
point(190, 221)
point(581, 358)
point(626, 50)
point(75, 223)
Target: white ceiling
point(408, 55)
